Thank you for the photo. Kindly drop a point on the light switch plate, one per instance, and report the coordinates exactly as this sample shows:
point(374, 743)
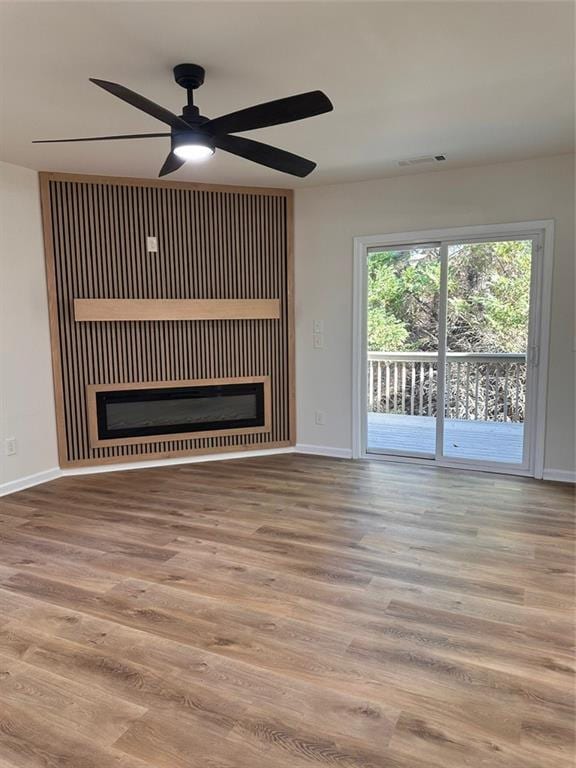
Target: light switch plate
point(152, 244)
point(318, 341)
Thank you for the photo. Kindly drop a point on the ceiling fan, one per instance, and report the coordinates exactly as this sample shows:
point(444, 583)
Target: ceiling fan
point(195, 137)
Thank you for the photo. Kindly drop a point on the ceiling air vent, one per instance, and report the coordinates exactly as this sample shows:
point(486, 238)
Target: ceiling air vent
point(422, 159)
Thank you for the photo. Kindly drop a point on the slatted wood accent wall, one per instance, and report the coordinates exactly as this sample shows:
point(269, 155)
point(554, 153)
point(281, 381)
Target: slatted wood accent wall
point(213, 243)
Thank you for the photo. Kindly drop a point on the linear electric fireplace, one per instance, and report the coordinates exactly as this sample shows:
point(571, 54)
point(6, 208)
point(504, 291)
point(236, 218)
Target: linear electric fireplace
point(125, 414)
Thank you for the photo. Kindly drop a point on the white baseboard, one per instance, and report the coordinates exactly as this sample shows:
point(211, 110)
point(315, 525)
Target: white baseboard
point(52, 474)
point(324, 450)
point(175, 461)
point(559, 475)
point(29, 481)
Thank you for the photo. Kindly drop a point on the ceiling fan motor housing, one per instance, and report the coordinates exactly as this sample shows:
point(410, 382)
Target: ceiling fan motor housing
point(189, 76)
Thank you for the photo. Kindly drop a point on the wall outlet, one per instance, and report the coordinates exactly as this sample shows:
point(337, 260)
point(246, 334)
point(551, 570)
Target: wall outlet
point(318, 341)
point(10, 446)
point(319, 418)
point(152, 244)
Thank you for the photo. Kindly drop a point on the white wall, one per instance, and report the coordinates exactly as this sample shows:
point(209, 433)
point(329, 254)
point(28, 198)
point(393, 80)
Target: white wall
point(327, 220)
point(26, 393)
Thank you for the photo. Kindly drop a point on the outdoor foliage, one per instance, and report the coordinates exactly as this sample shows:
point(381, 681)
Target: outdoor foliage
point(488, 298)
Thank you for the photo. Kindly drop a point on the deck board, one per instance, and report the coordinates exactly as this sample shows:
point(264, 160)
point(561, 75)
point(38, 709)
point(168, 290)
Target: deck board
point(481, 440)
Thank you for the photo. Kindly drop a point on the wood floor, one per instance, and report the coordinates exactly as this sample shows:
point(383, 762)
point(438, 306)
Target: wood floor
point(287, 612)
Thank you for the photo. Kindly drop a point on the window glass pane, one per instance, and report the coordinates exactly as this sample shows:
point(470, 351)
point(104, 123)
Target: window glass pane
point(488, 305)
point(403, 304)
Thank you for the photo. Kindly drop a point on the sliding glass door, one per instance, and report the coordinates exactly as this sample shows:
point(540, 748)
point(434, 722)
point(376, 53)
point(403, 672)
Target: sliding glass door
point(487, 311)
point(402, 334)
point(448, 334)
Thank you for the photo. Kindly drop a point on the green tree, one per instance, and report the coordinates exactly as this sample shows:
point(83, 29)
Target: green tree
point(488, 298)
point(403, 289)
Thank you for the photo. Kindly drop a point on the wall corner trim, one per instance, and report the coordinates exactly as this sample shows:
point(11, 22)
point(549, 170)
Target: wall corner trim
point(324, 450)
point(30, 480)
point(559, 475)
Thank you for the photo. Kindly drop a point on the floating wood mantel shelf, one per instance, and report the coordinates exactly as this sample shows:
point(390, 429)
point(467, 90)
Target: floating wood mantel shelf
point(106, 310)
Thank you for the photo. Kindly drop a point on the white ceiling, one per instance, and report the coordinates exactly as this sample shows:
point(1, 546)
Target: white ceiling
point(481, 82)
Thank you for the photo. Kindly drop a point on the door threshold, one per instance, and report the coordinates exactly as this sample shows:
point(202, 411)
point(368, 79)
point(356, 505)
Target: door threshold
point(495, 469)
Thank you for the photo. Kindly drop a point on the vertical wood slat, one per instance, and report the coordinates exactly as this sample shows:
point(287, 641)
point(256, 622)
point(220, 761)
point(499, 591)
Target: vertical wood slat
point(213, 242)
point(467, 391)
point(421, 393)
point(476, 390)
point(448, 387)
point(487, 391)
point(457, 398)
point(517, 393)
point(403, 387)
point(496, 390)
point(506, 373)
point(387, 386)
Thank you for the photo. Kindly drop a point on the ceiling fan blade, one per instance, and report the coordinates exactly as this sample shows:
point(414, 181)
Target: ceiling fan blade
point(103, 138)
point(271, 113)
point(142, 103)
point(264, 154)
point(171, 164)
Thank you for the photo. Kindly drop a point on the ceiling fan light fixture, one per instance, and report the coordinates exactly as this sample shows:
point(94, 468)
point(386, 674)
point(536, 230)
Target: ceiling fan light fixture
point(194, 137)
point(195, 153)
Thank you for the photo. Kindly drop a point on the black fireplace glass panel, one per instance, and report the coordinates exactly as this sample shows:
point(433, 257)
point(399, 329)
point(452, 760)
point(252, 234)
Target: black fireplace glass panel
point(170, 410)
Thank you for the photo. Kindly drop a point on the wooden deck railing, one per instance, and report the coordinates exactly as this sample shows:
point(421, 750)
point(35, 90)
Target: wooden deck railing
point(490, 387)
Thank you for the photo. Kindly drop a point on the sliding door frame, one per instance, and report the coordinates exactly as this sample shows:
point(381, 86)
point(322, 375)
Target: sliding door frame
point(542, 234)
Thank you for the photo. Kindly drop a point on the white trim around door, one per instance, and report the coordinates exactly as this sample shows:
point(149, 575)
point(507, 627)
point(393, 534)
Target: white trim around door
point(542, 233)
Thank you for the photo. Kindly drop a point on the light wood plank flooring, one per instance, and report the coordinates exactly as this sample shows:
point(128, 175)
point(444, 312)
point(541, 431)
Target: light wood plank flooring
point(287, 612)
